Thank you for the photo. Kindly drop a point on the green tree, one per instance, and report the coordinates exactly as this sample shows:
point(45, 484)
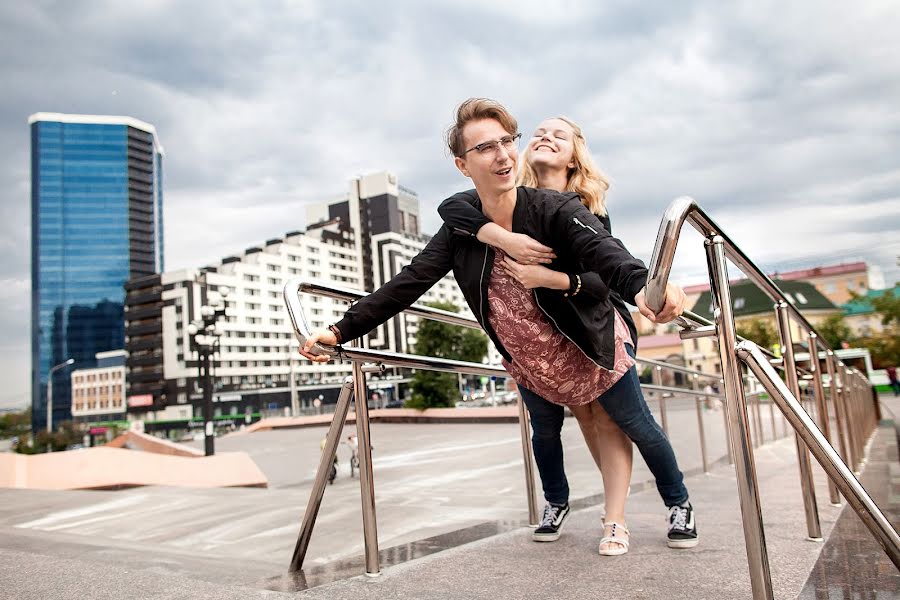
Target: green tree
point(759, 331)
point(66, 434)
point(888, 306)
point(431, 389)
point(834, 331)
point(885, 346)
point(15, 424)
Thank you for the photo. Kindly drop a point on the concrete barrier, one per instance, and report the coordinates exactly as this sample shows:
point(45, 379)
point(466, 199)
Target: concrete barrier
point(134, 440)
point(112, 468)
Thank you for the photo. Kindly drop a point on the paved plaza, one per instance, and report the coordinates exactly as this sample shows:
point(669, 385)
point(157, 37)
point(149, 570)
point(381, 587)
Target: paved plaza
point(432, 481)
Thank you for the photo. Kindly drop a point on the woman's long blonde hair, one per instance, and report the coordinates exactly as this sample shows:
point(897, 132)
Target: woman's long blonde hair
point(584, 178)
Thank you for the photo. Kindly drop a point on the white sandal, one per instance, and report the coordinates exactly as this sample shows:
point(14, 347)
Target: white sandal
point(614, 537)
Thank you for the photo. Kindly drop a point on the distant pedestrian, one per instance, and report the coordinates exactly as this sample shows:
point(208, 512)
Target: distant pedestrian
point(892, 379)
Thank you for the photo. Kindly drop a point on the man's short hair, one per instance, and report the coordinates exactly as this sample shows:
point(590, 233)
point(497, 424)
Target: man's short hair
point(476, 109)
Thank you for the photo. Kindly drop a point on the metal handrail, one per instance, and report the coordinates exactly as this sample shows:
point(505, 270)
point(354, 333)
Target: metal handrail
point(677, 368)
point(684, 209)
point(848, 396)
point(355, 385)
point(825, 453)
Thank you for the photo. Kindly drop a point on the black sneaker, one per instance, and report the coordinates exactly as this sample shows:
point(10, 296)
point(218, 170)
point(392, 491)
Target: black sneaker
point(682, 528)
point(551, 523)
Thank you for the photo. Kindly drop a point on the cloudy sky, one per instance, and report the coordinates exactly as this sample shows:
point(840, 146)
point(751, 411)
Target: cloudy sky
point(781, 119)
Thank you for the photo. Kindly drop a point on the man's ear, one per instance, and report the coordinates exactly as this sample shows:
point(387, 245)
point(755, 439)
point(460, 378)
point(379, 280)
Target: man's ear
point(461, 165)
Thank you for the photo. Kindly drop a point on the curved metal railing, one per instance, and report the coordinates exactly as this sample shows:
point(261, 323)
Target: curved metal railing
point(355, 386)
point(854, 413)
point(367, 360)
point(847, 393)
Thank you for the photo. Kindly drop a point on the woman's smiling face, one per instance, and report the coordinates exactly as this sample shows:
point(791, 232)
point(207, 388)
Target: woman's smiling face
point(552, 145)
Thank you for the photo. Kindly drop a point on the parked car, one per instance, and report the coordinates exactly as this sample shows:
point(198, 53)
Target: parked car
point(507, 397)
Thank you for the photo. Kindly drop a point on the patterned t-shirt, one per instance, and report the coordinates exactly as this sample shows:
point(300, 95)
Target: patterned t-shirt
point(543, 359)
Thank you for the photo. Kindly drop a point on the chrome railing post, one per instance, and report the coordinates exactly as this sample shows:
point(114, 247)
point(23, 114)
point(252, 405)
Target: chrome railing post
point(757, 413)
point(657, 381)
point(840, 413)
point(695, 385)
point(366, 479)
point(759, 417)
point(870, 399)
point(524, 430)
point(728, 448)
point(807, 485)
point(772, 415)
point(825, 454)
point(852, 419)
point(822, 408)
point(738, 431)
point(865, 403)
point(751, 420)
point(318, 489)
point(865, 414)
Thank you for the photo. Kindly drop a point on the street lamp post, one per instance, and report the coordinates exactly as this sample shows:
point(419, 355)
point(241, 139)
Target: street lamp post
point(205, 333)
point(53, 370)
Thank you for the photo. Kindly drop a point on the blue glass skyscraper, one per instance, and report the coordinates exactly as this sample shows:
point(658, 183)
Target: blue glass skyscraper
point(96, 222)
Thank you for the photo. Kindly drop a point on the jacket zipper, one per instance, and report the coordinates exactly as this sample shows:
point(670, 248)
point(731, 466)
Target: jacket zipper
point(481, 286)
point(583, 226)
point(559, 329)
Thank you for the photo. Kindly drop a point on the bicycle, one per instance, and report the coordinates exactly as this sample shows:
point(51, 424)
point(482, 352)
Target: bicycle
point(332, 473)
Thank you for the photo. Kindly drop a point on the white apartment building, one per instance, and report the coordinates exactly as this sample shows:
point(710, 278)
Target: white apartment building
point(257, 350)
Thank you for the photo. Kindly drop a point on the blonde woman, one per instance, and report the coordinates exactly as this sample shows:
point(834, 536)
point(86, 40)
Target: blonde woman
point(557, 158)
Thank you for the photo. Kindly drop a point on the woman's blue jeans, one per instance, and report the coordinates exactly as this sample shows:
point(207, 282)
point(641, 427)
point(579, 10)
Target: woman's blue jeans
point(626, 406)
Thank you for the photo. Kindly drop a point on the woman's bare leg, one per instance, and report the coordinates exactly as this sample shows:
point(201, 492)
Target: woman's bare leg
point(609, 447)
point(616, 452)
point(585, 418)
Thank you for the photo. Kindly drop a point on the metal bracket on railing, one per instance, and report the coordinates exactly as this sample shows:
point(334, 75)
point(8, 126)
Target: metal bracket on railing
point(694, 333)
point(298, 319)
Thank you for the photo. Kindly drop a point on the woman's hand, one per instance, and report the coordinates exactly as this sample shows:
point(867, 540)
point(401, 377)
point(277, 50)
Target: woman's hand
point(325, 336)
point(525, 249)
point(535, 276)
point(673, 306)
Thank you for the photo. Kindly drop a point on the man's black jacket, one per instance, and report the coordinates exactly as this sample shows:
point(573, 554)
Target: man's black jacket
point(461, 216)
point(557, 220)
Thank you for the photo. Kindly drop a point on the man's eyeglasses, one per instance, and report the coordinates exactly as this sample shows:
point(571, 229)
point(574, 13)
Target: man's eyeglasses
point(492, 147)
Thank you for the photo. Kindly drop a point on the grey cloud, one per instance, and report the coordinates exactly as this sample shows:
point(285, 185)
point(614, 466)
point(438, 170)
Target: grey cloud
point(265, 107)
